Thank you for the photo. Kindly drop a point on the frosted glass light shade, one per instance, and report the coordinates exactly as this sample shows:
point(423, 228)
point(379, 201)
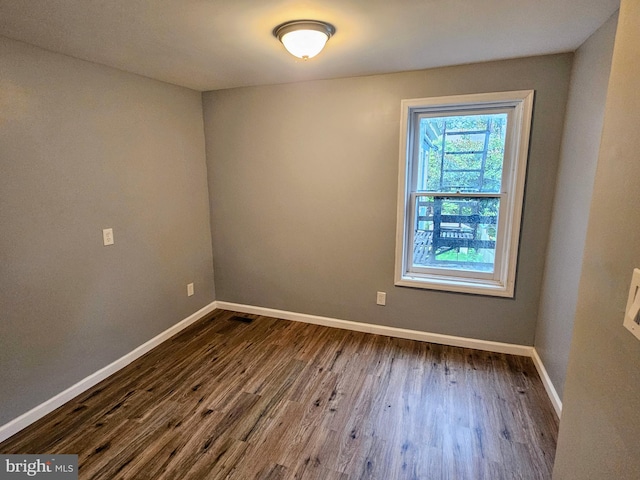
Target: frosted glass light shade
point(304, 43)
point(304, 38)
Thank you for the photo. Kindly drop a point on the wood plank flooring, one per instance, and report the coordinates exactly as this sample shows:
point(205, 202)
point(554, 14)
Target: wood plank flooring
point(274, 399)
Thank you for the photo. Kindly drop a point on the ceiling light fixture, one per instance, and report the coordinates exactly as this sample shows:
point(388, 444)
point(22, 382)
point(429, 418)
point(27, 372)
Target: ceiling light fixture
point(304, 38)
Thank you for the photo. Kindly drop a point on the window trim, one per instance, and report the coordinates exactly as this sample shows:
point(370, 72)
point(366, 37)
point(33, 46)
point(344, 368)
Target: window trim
point(520, 103)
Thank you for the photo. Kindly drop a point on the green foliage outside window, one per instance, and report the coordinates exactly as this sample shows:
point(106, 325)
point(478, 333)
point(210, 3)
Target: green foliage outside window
point(453, 156)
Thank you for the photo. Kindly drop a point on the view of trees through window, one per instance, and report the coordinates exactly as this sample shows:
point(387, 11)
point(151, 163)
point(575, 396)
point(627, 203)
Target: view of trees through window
point(459, 157)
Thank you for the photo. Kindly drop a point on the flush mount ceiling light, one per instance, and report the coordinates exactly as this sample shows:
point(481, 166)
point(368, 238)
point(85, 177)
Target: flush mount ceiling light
point(304, 38)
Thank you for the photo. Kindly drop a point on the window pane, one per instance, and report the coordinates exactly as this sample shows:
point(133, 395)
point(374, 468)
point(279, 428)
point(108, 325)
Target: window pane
point(455, 233)
point(461, 153)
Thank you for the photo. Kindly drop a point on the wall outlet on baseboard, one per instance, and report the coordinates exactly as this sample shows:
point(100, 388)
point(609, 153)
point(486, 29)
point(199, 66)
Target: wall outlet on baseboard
point(190, 289)
point(381, 298)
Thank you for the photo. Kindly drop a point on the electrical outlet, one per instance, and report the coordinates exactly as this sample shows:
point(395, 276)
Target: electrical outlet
point(107, 236)
point(190, 289)
point(381, 298)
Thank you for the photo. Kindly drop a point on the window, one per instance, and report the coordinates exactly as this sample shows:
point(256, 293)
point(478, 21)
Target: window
point(461, 185)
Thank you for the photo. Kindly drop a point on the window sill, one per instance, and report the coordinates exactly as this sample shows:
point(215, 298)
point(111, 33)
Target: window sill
point(471, 286)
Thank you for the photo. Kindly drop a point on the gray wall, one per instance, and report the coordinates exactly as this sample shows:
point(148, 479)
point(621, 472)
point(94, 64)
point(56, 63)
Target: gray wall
point(85, 147)
point(303, 181)
point(576, 173)
point(601, 412)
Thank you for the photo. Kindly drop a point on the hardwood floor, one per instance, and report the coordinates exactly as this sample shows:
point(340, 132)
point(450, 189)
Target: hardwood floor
point(274, 399)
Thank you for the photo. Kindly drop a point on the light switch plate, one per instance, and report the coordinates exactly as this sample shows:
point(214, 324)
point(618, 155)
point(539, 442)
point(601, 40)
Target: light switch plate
point(632, 312)
point(190, 289)
point(107, 236)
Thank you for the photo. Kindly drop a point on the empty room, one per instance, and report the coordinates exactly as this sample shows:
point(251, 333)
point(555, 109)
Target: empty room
point(335, 239)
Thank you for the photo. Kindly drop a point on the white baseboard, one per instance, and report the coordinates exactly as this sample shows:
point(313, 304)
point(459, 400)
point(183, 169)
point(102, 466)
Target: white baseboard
point(548, 384)
point(26, 419)
point(14, 426)
point(486, 345)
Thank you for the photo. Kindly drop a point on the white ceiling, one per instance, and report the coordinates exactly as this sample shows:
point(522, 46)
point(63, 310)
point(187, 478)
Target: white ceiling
point(214, 44)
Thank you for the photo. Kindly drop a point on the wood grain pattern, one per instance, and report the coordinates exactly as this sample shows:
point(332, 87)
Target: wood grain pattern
point(274, 399)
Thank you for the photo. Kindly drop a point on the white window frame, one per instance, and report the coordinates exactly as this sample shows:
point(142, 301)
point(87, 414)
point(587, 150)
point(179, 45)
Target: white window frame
point(519, 106)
